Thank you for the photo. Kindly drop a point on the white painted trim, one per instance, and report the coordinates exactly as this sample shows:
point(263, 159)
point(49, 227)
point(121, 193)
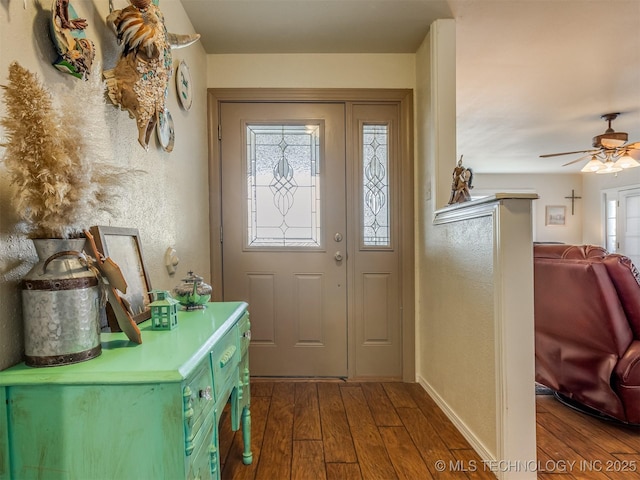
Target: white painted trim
point(514, 339)
point(477, 208)
point(474, 441)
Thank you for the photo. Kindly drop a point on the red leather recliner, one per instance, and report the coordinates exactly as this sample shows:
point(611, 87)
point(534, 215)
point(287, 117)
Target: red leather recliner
point(587, 327)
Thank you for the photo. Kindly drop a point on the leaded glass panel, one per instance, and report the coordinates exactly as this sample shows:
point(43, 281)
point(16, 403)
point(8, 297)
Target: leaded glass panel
point(283, 185)
point(375, 185)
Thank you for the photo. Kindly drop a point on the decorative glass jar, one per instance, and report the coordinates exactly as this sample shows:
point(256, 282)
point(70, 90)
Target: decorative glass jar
point(193, 293)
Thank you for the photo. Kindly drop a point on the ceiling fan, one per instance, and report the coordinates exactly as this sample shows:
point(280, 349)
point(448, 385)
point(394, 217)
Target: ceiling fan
point(610, 153)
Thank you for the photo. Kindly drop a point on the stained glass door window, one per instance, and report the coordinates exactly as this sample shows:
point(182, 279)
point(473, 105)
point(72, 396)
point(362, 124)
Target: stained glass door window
point(375, 186)
point(283, 176)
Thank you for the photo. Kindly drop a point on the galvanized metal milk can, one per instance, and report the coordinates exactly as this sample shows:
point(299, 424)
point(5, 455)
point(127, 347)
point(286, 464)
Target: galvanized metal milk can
point(61, 306)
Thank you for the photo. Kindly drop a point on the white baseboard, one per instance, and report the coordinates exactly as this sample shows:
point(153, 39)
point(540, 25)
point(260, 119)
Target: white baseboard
point(475, 443)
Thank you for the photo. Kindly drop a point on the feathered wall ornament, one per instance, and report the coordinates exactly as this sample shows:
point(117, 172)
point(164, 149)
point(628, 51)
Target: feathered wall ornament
point(140, 79)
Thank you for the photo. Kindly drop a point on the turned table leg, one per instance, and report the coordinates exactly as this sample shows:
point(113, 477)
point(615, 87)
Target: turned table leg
point(247, 456)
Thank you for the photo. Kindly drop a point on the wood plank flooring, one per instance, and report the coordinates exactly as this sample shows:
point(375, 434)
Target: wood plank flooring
point(345, 431)
point(336, 430)
point(572, 445)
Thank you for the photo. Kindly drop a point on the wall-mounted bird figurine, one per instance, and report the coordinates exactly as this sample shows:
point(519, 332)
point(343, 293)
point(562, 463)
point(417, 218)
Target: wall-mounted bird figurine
point(140, 79)
point(75, 51)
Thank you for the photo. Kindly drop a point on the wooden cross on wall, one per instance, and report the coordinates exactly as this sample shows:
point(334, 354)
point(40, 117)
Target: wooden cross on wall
point(573, 199)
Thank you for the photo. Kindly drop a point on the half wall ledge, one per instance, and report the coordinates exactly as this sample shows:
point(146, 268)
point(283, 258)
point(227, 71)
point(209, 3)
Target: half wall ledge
point(476, 208)
point(498, 256)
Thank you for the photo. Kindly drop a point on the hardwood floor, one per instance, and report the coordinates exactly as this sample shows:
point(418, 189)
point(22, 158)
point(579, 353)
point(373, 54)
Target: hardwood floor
point(572, 445)
point(343, 431)
point(337, 430)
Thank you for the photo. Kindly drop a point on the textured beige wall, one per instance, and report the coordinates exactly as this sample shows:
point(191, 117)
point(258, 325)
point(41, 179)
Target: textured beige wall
point(168, 204)
point(458, 350)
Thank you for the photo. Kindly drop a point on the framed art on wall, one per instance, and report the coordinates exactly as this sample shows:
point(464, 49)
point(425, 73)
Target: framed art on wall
point(555, 214)
point(123, 246)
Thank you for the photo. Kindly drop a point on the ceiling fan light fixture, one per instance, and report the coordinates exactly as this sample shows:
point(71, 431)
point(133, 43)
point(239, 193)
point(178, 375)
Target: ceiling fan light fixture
point(609, 167)
point(610, 140)
point(626, 161)
point(594, 165)
point(610, 153)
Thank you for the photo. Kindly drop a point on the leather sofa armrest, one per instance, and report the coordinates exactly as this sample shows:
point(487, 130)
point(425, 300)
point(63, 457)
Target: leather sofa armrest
point(626, 278)
point(627, 371)
point(626, 382)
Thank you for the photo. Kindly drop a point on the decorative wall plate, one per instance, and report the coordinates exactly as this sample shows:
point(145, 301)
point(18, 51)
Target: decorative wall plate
point(165, 130)
point(183, 85)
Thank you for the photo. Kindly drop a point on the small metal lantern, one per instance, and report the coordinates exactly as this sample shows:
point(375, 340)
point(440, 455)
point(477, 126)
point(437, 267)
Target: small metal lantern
point(164, 311)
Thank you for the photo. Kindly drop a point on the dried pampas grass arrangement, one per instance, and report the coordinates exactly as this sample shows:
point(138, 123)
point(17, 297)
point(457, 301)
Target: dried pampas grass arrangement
point(56, 157)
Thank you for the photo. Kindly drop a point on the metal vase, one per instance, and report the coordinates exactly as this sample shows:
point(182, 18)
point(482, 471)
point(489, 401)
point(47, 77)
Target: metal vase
point(60, 305)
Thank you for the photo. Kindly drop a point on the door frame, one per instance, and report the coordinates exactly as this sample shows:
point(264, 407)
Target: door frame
point(404, 99)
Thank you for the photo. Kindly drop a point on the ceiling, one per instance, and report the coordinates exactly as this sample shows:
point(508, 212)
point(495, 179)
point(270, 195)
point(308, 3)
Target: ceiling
point(533, 76)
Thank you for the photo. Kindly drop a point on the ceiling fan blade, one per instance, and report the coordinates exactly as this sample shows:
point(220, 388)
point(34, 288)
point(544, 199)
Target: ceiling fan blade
point(576, 160)
point(633, 146)
point(568, 153)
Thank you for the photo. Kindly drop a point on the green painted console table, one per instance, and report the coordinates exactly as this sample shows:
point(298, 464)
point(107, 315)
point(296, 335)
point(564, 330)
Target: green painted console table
point(136, 411)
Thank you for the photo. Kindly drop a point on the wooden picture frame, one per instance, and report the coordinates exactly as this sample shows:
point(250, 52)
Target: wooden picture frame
point(555, 215)
point(123, 246)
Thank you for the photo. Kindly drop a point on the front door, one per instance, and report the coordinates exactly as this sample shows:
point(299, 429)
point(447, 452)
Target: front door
point(284, 232)
point(316, 209)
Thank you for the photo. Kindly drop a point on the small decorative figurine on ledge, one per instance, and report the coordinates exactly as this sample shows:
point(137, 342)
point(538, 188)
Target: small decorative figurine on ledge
point(461, 184)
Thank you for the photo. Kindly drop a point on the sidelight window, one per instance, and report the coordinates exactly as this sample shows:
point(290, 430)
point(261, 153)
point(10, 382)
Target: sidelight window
point(375, 186)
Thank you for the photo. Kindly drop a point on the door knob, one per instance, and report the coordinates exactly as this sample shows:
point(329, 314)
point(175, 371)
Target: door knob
point(338, 256)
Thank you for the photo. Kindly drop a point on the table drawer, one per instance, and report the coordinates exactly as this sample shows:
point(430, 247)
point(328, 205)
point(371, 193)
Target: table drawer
point(225, 357)
point(198, 402)
point(204, 461)
point(244, 331)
